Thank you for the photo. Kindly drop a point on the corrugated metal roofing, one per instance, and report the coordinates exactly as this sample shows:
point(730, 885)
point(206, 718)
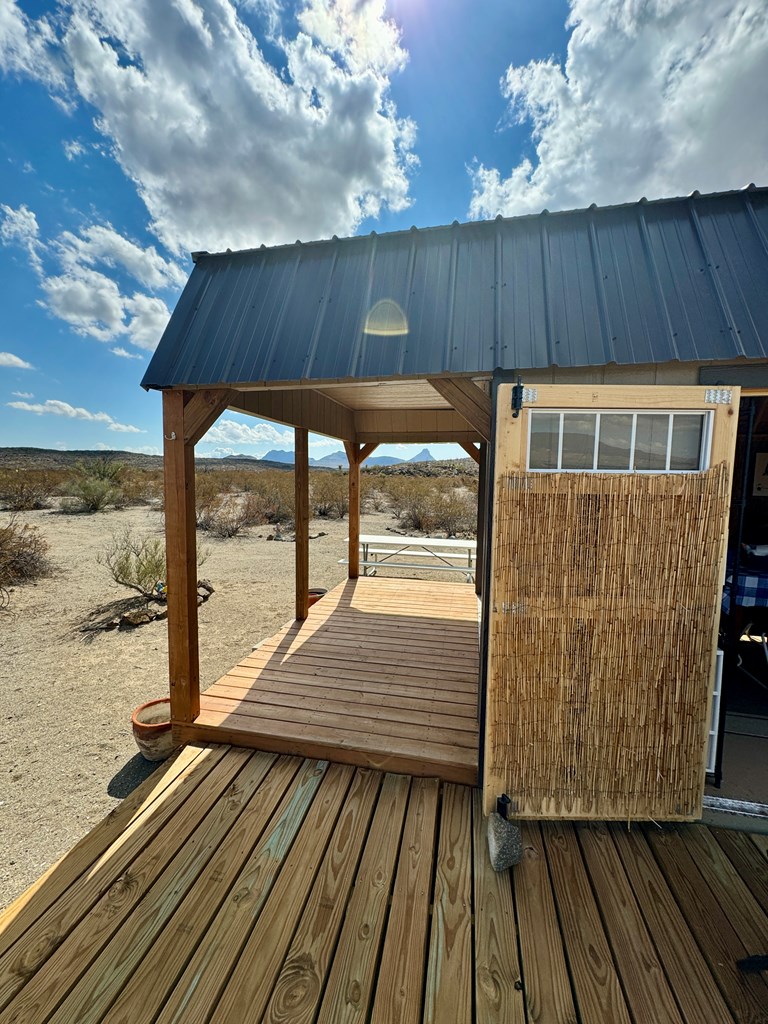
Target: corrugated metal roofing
point(649, 282)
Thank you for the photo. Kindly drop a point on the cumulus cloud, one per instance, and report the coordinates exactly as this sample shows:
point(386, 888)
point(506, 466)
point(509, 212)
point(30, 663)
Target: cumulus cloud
point(59, 408)
point(118, 350)
point(85, 292)
point(238, 151)
point(22, 394)
point(73, 149)
point(234, 432)
point(653, 99)
point(19, 227)
point(29, 48)
point(16, 363)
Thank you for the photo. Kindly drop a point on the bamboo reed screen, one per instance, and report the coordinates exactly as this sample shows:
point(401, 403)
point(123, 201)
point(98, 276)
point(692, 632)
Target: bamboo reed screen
point(605, 593)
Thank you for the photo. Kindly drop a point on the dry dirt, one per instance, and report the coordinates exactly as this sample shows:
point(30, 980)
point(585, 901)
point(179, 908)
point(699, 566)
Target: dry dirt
point(67, 755)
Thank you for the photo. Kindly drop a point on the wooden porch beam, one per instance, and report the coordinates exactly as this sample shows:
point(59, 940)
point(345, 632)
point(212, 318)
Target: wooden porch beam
point(471, 450)
point(470, 401)
point(305, 408)
point(301, 517)
point(419, 426)
point(202, 410)
point(354, 455)
point(181, 559)
point(365, 451)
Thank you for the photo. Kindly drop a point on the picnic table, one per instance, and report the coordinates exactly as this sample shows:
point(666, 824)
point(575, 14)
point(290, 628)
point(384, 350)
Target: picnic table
point(434, 553)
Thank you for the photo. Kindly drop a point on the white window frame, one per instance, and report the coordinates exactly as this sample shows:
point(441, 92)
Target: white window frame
point(704, 453)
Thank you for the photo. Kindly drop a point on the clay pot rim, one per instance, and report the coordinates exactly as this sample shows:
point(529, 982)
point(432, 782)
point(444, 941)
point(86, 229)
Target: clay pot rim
point(151, 727)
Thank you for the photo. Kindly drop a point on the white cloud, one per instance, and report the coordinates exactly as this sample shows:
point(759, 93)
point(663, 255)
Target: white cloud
point(23, 394)
point(73, 149)
point(9, 359)
point(118, 350)
point(85, 294)
point(29, 48)
point(234, 432)
point(145, 449)
point(59, 408)
point(225, 149)
point(20, 227)
point(654, 99)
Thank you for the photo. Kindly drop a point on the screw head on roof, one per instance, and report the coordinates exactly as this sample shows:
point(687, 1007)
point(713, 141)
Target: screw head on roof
point(454, 224)
point(499, 217)
point(414, 228)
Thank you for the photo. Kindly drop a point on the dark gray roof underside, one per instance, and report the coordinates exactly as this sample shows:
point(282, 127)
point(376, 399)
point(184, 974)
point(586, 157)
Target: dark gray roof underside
point(677, 279)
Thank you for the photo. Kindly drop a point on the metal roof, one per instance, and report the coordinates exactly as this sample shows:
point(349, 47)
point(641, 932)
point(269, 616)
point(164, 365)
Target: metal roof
point(648, 282)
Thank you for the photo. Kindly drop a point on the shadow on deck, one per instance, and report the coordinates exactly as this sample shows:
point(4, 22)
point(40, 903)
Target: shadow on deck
point(383, 673)
point(239, 886)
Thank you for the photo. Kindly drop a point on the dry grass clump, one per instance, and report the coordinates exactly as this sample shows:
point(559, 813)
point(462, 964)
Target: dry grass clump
point(329, 494)
point(224, 508)
point(23, 554)
point(24, 490)
point(432, 504)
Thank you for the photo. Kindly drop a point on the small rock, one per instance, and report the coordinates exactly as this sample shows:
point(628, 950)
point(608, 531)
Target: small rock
point(505, 842)
point(134, 617)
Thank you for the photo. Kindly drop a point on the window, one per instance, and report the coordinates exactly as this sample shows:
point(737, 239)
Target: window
point(619, 442)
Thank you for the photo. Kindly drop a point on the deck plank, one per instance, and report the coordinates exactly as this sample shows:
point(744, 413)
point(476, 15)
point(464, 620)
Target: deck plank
point(738, 903)
point(34, 901)
point(748, 861)
point(400, 985)
point(349, 991)
point(199, 987)
point(595, 980)
point(151, 982)
point(450, 969)
point(54, 979)
point(297, 991)
point(697, 994)
point(250, 985)
point(745, 994)
point(642, 976)
point(547, 984)
point(497, 979)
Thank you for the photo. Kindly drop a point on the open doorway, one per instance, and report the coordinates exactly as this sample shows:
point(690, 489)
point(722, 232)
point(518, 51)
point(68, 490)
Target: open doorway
point(742, 763)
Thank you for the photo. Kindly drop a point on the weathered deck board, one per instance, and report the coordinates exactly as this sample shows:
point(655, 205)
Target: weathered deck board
point(260, 887)
point(382, 673)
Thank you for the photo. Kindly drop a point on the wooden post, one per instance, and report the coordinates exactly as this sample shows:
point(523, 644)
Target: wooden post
point(301, 481)
point(482, 503)
point(181, 559)
point(354, 517)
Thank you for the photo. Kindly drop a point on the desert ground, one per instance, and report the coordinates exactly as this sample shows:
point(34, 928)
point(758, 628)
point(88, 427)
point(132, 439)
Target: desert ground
point(67, 754)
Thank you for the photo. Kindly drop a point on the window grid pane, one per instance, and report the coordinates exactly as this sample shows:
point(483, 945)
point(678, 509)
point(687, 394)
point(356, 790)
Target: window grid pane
point(644, 442)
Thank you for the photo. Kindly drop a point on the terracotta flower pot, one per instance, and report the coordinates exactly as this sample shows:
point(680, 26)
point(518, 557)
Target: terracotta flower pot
point(315, 594)
point(152, 729)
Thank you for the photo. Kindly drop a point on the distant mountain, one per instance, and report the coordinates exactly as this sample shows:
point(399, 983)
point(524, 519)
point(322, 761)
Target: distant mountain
point(332, 461)
point(253, 458)
point(382, 460)
point(425, 455)
point(277, 455)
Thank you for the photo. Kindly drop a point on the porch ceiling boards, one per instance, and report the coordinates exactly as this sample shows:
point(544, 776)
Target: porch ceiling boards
point(242, 886)
point(383, 673)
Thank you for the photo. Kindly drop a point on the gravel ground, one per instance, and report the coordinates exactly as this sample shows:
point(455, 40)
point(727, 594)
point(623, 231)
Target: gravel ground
point(67, 755)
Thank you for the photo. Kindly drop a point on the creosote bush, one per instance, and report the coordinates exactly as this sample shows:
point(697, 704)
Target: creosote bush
point(24, 490)
point(137, 560)
point(23, 552)
point(329, 494)
point(95, 486)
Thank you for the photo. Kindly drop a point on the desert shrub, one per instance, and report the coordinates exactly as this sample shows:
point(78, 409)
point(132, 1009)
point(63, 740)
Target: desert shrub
point(137, 560)
point(329, 493)
point(23, 490)
point(275, 489)
point(454, 511)
point(372, 497)
point(22, 554)
point(94, 486)
point(142, 486)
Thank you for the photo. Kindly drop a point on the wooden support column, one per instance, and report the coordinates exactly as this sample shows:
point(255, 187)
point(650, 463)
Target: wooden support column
point(353, 455)
point(181, 559)
point(482, 509)
point(301, 480)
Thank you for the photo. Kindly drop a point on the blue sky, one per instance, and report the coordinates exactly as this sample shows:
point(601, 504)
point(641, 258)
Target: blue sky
point(135, 132)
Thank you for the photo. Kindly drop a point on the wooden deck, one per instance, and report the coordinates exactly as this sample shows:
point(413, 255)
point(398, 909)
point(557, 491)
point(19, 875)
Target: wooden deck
point(239, 886)
point(383, 673)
